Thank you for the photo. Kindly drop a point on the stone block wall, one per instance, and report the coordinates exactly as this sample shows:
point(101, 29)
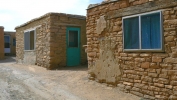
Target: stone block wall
point(41, 26)
point(43, 36)
point(1, 42)
point(58, 27)
point(50, 47)
point(151, 75)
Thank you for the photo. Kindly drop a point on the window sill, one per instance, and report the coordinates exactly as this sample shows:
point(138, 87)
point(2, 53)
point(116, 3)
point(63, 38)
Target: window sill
point(137, 50)
point(29, 50)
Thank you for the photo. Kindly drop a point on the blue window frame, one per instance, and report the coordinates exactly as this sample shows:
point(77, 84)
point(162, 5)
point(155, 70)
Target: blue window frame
point(143, 32)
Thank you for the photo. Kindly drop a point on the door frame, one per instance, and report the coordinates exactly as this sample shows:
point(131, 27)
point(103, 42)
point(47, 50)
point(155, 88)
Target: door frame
point(79, 41)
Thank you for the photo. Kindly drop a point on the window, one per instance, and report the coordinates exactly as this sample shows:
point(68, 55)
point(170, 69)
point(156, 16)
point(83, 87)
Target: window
point(29, 40)
point(6, 41)
point(73, 39)
point(14, 42)
point(143, 32)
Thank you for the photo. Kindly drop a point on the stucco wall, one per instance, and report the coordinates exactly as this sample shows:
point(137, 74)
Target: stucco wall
point(1, 42)
point(151, 75)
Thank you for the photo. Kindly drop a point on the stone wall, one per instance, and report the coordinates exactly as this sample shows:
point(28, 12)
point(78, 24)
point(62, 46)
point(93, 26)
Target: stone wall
point(50, 44)
point(151, 75)
point(58, 27)
point(43, 36)
point(1, 42)
point(41, 27)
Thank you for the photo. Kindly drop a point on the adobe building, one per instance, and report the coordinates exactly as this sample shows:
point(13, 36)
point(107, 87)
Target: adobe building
point(132, 44)
point(1, 42)
point(53, 40)
point(9, 43)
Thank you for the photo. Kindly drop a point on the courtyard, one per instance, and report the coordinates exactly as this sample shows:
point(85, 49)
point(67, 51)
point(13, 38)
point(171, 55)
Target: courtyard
point(30, 82)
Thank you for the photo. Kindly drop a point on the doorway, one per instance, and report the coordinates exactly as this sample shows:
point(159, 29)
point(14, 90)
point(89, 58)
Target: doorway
point(73, 46)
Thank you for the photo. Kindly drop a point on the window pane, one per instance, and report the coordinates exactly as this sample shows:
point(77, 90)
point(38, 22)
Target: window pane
point(32, 40)
point(27, 41)
point(6, 41)
point(14, 42)
point(73, 39)
point(150, 27)
point(131, 33)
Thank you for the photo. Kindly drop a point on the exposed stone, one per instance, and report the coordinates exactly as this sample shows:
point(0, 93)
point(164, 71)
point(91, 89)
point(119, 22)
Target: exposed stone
point(173, 97)
point(152, 74)
point(135, 89)
point(174, 55)
point(161, 80)
point(154, 65)
point(145, 65)
point(174, 83)
point(148, 92)
point(161, 97)
point(170, 60)
point(137, 93)
point(156, 59)
point(168, 86)
point(127, 83)
point(169, 38)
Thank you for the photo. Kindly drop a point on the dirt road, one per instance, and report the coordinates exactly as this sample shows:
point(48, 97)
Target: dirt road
point(24, 82)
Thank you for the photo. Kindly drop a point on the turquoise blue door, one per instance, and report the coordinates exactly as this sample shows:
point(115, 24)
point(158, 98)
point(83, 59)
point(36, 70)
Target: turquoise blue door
point(73, 46)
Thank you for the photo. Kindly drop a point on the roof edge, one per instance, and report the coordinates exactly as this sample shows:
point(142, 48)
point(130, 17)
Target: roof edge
point(102, 3)
point(2, 27)
point(50, 14)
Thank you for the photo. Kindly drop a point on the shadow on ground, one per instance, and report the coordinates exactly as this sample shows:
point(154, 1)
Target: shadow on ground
point(12, 59)
point(75, 68)
point(8, 59)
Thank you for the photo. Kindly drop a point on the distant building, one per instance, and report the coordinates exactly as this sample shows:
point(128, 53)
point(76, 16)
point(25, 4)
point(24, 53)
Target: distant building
point(53, 40)
point(7, 43)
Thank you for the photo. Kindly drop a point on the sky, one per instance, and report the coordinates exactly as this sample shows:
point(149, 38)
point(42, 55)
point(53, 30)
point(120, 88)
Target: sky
point(16, 12)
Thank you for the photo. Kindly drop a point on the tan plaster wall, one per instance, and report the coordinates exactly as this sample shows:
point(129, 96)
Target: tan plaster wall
point(151, 75)
point(1, 42)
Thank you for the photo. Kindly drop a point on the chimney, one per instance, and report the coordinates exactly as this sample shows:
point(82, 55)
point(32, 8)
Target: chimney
point(1, 42)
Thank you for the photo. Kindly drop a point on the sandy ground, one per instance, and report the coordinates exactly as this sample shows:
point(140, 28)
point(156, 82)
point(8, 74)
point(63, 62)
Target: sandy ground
point(26, 82)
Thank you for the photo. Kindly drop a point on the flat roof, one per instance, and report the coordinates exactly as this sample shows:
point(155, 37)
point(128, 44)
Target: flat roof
point(52, 13)
point(102, 3)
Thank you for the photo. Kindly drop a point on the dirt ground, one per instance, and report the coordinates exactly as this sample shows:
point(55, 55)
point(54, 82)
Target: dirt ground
point(26, 82)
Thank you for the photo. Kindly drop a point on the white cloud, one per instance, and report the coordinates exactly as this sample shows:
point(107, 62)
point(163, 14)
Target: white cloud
point(17, 12)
